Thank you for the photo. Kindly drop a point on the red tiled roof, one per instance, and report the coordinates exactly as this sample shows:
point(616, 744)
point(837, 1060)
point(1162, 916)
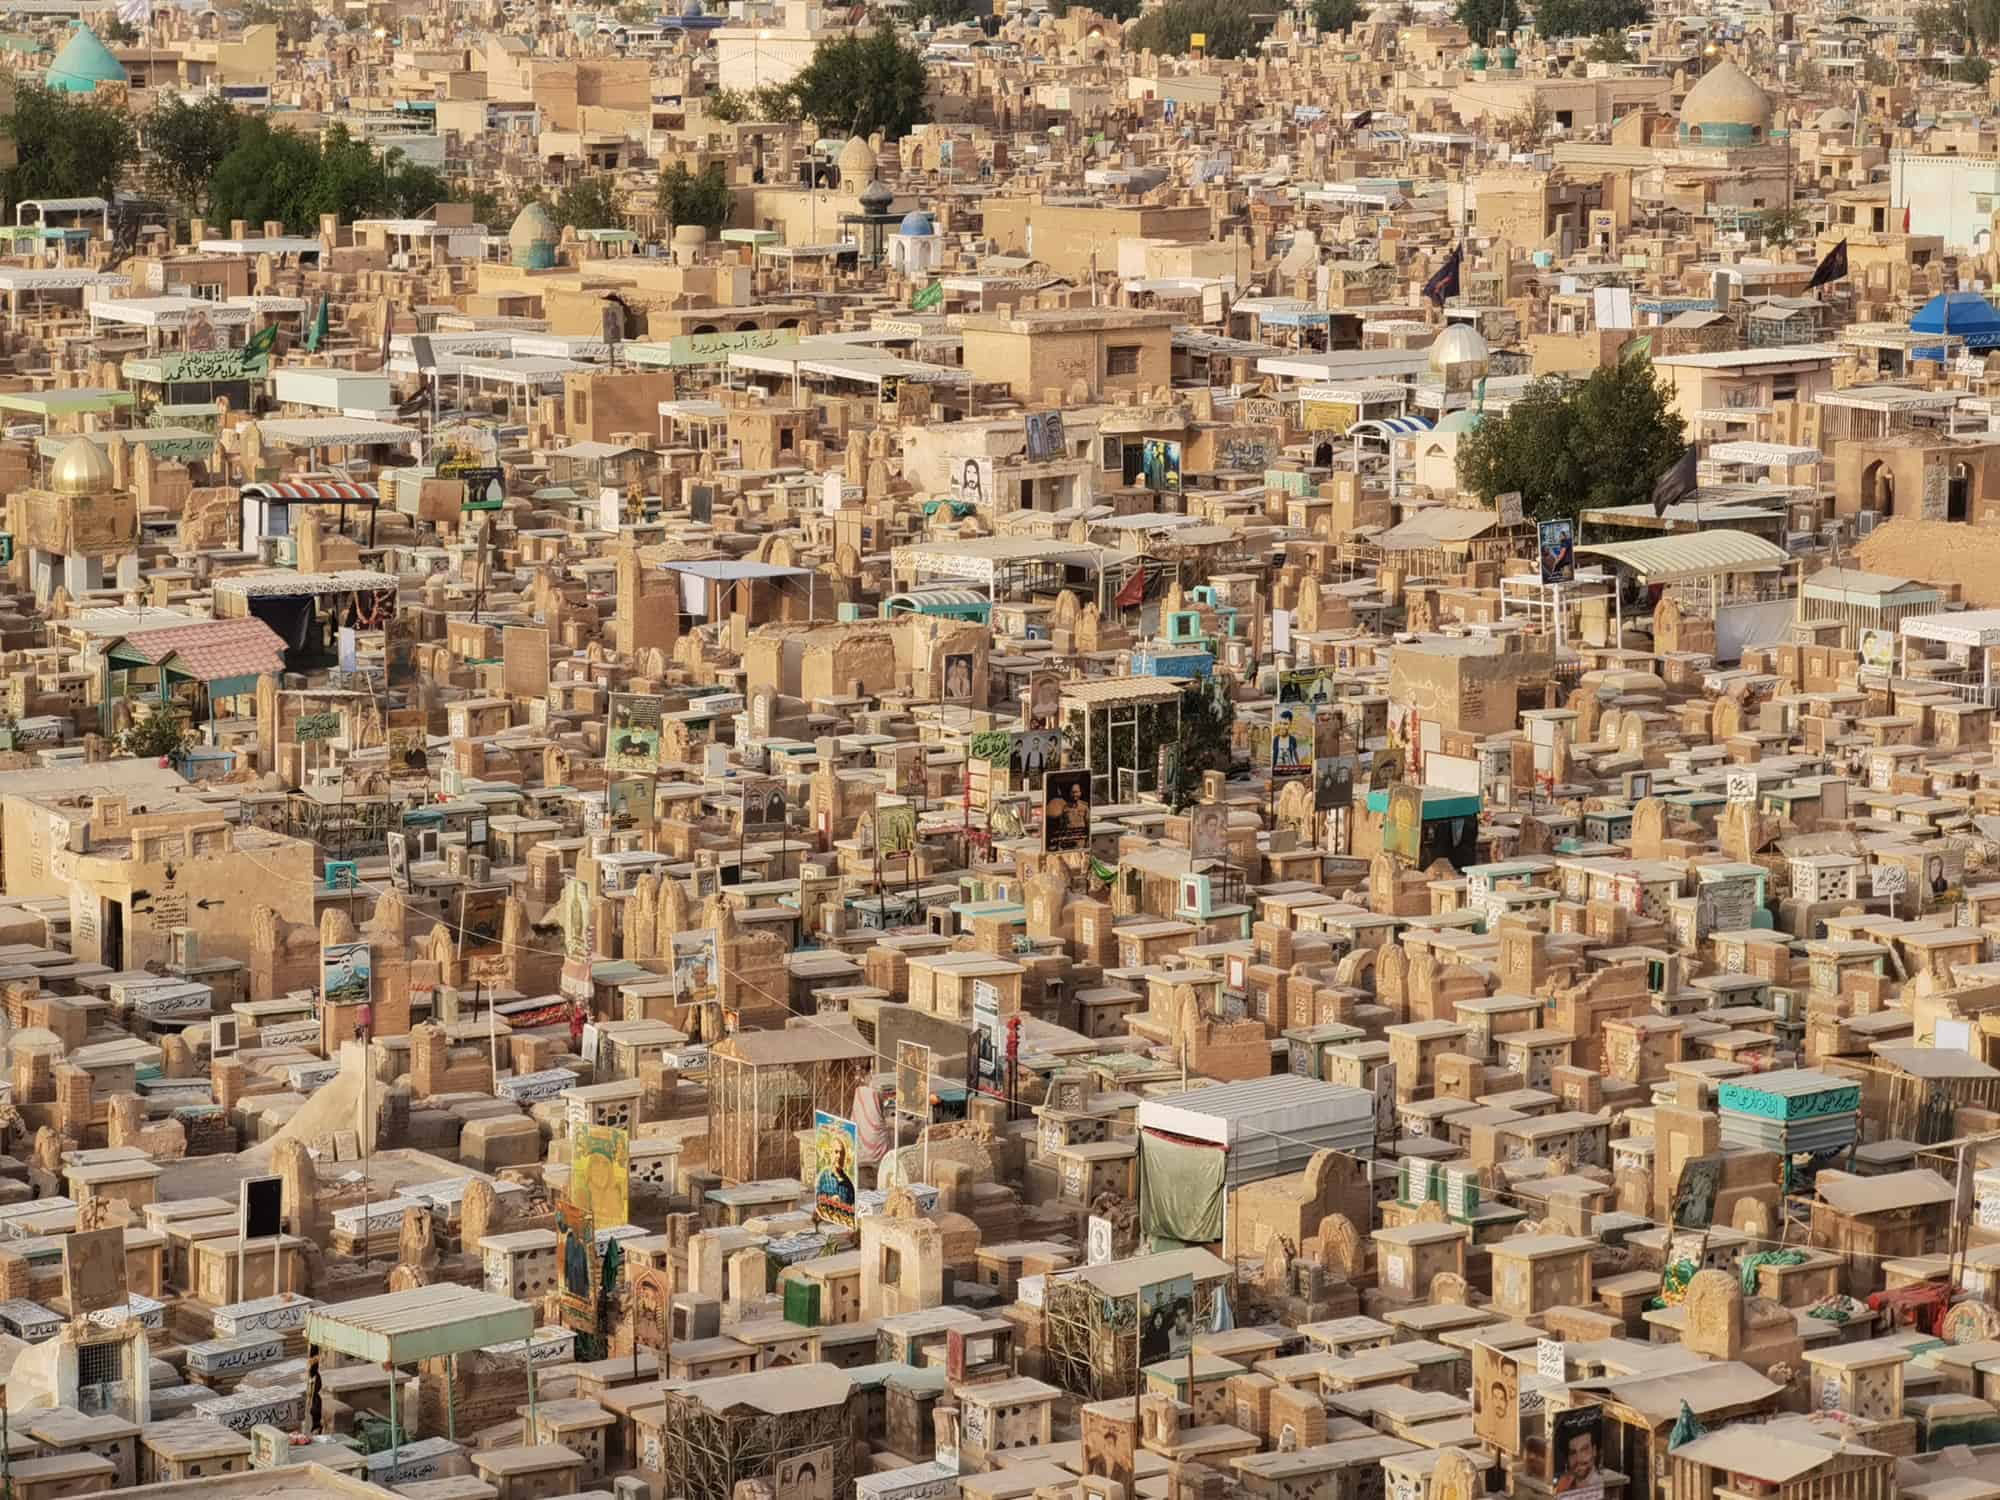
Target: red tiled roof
point(208, 650)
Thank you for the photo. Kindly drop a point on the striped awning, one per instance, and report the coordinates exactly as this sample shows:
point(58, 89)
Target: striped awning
point(1667, 559)
point(1390, 426)
point(310, 489)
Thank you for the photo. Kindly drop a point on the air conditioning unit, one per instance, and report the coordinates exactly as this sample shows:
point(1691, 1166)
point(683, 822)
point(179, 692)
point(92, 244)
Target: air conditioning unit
point(1864, 521)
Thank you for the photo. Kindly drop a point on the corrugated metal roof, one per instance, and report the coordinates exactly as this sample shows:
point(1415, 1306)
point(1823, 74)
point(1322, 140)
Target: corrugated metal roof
point(1667, 558)
point(423, 1323)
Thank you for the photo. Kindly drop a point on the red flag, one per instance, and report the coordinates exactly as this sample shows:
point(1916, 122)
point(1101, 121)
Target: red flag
point(1134, 591)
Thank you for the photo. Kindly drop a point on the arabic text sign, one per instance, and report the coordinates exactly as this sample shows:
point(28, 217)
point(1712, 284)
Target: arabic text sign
point(715, 348)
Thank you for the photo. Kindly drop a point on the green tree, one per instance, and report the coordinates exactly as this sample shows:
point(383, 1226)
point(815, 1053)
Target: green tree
point(1337, 15)
point(162, 733)
point(1938, 25)
point(279, 174)
point(1785, 224)
point(185, 143)
point(70, 145)
point(942, 13)
point(729, 105)
point(1231, 27)
point(1973, 70)
point(587, 203)
point(1608, 48)
point(1560, 18)
point(1481, 18)
point(861, 84)
point(121, 33)
point(1207, 730)
point(706, 199)
point(1568, 446)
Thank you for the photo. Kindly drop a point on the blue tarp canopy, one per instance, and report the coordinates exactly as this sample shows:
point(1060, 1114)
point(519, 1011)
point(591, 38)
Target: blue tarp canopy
point(1963, 315)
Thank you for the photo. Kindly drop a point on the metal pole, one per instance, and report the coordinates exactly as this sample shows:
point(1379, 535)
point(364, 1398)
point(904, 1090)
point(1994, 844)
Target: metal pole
point(451, 1397)
point(395, 1426)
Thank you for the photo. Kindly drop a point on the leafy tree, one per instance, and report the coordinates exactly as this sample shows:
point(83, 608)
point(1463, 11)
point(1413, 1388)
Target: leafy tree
point(279, 174)
point(864, 83)
point(1570, 446)
point(70, 145)
point(587, 203)
point(1559, 18)
point(1336, 15)
point(1481, 18)
point(185, 143)
point(162, 733)
point(1974, 70)
point(121, 33)
point(730, 105)
point(1939, 25)
point(1877, 70)
point(1232, 27)
point(706, 199)
point(1207, 727)
point(942, 13)
point(1608, 48)
point(1785, 224)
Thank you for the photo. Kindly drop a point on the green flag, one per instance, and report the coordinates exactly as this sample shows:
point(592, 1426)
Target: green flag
point(316, 335)
point(1639, 348)
point(930, 297)
point(261, 343)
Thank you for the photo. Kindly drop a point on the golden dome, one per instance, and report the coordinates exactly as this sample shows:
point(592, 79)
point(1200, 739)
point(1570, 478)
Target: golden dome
point(80, 469)
point(1727, 97)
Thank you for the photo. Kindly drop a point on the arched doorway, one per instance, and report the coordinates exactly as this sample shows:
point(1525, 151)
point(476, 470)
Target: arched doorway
point(1323, 455)
point(1878, 489)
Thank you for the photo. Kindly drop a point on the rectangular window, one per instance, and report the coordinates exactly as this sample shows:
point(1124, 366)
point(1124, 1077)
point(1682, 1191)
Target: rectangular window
point(1121, 359)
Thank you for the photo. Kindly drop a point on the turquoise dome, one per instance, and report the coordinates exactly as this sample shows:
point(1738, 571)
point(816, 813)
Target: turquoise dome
point(1477, 61)
point(916, 221)
point(533, 238)
point(1461, 421)
point(1508, 57)
point(84, 63)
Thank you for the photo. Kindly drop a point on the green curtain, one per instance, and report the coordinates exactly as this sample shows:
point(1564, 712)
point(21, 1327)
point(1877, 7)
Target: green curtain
point(1180, 1189)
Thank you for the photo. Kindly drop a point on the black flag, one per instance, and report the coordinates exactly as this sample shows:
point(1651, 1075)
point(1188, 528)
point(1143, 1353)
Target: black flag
point(1443, 285)
point(1674, 483)
point(1361, 120)
point(1832, 268)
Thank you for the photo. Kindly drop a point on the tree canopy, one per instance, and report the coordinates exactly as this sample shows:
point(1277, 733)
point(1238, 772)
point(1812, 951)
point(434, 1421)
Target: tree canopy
point(1481, 18)
point(1559, 18)
point(279, 174)
point(69, 145)
point(587, 203)
point(185, 143)
point(1568, 446)
point(1230, 27)
point(858, 85)
point(1337, 15)
point(705, 199)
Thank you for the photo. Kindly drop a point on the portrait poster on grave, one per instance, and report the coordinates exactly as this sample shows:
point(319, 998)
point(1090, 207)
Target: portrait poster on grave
point(1208, 831)
point(578, 1299)
point(628, 804)
point(1496, 1399)
point(600, 1174)
point(346, 973)
point(1065, 811)
point(913, 1078)
point(837, 1144)
point(1403, 822)
point(1576, 1439)
point(399, 860)
point(1333, 782)
point(958, 677)
point(806, 1476)
point(1044, 699)
point(1291, 744)
point(1694, 1192)
point(632, 735)
point(482, 921)
point(1166, 1320)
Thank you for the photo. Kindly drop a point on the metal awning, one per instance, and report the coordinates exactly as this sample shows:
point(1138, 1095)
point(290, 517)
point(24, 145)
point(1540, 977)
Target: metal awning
point(1764, 455)
point(401, 1328)
point(309, 490)
point(1388, 427)
point(1667, 559)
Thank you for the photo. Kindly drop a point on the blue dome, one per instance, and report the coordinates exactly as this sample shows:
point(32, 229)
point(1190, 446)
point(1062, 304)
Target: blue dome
point(84, 63)
point(916, 221)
